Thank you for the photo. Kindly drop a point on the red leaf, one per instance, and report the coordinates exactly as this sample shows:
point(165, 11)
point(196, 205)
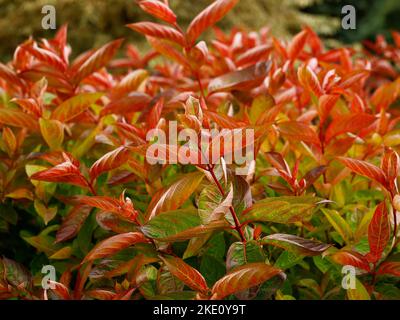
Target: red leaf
point(97, 60)
point(158, 31)
point(243, 79)
point(278, 162)
point(136, 101)
point(29, 105)
point(66, 172)
point(114, 244)
point(72, 223)
point(352, 78)
point(242, 278)
point(351, 258)
point(348, 123)
point(297, 44)
point(45, 56)
point(298, 131)
point(10, 76)
point(60, 290)
point(16, 118)
point(155, 114)
point(187, 274)
point(129, 83)
point(253, 55)
point(109, 161)
point(168, 51)
point(208, 17)
point(123, 207)
point(390, 267)
point(309, 80)
point(365, 169)
point(159, 10)
point(325, 105)
point(390, 166)
point(378, 233)
point(75, 106)
point(102, 202)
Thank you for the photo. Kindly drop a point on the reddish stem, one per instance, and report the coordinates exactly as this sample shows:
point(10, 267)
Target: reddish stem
point(238, 226)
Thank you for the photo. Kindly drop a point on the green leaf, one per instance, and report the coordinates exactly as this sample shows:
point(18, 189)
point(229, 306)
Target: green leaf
point(339, 224)
point(240, 254)
point(178, 225)
point(287, 260)
point(295, 244)
point(359, 293)
point(286, 209)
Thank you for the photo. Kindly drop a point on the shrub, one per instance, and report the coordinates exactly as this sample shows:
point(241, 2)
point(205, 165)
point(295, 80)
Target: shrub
point(77, 183)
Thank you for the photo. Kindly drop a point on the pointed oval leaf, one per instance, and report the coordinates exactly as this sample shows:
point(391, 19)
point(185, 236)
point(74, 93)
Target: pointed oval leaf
point(352, 258)
point(159, 10)
point(339, 224)
point(295, 244)
point(242, 278)
point(109, 161)
point(378, 232)
point(97, 60)
point(16, 118)
point(72, 223)
point(175, 195)
point(208, 17)
point(365, 169)
point(158, 31)
point(114, 244)
point(285, 209)
point(187, 274)
point(52, 132)
point(75, 106)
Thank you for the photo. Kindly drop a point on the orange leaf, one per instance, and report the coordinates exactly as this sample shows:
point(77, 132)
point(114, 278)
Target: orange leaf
point(136, 101)
point(187, 274)
point(129, 83)
point(109, 161)
point(75, 106)
point(246, 78)
point(97, 60)
point(390, 267)
point(174, 196)
point(242, 278)
point(208, 17)
point(348, 123)
point(365, 169)
point(309, 80)
point(52, 132)
point(72, 223)
point(351, 258)
point(114, 244)
point(253, 55)
point(297, 44)
point(159, 10)
point(298, 131)
point(378, 233)
point(66, 172)
point(158, 31)
point(16, 118)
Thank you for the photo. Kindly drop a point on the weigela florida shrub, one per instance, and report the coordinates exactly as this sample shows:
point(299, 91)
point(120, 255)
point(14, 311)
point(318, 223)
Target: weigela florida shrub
point(322, 193)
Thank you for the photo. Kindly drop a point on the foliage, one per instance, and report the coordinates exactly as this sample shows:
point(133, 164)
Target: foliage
point(93, 22)
point(78, 193)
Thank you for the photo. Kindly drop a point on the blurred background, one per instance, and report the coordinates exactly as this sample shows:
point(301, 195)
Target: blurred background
point(94, 22)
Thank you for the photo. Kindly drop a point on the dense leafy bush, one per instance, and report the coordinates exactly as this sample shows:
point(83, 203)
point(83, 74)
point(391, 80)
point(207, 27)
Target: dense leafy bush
point(77, 185)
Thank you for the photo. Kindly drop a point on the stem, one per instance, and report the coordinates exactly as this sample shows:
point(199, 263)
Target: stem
point(238, 226)
point(91, 188)
point(373, 275)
